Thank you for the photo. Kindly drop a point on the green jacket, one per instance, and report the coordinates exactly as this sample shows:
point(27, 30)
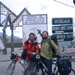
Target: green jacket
point(46, 50)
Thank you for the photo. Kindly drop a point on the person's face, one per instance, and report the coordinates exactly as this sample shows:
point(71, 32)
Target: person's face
point(32, 37)
point(44, 34)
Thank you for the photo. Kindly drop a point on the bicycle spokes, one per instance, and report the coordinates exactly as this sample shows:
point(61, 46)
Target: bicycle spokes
point(11, 68)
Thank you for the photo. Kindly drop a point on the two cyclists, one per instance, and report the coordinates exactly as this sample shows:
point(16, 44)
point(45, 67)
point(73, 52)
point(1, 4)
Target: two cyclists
point(31, 50)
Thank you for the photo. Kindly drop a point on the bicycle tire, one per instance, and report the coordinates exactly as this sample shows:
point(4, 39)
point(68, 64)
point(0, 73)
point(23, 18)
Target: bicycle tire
point(71, 73)
point(44, 72)
point(28, 70)
point(39, 72)
point(11, 68)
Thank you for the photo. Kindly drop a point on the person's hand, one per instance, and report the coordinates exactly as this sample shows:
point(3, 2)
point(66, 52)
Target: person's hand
point(33, 53)
point(38, 56)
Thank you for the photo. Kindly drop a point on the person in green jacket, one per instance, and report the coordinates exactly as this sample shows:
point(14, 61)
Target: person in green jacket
point(46, 51)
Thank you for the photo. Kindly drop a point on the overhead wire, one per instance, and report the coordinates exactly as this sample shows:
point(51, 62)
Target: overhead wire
point(69, 1)
point(64, 4)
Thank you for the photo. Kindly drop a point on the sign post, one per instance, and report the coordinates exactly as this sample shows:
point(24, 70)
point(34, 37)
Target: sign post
point(4, 42)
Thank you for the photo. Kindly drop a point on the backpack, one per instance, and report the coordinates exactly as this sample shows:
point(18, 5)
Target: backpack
point(64, 66)
point(54, 38)
point(24, 53)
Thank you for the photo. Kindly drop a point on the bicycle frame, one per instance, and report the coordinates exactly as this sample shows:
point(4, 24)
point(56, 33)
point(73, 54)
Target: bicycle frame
point(18, 59)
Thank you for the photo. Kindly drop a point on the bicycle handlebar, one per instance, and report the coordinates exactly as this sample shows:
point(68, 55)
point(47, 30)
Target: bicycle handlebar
point(13, 55)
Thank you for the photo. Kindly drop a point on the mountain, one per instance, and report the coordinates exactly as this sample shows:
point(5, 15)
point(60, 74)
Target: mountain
point(15, 37)
point(1, 34)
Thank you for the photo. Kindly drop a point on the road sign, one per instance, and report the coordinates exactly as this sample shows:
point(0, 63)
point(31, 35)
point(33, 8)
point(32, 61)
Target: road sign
point(65, 37)
point(34, 19)
point(58, 21)
point(64, 28)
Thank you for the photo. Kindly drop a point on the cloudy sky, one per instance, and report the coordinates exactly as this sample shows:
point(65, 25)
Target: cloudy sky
point(52, 8)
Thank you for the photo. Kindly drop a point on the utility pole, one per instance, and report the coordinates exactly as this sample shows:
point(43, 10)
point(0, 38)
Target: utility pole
point(74, 2)
point(12, 40)
point(4, 42)
point(11, 27)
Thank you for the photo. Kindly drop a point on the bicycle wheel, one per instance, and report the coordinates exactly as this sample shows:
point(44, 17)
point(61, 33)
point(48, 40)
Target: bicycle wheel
point(29, 70)
point(44, 72)
point(71, 73)
point(11, 68)
point(39, 72)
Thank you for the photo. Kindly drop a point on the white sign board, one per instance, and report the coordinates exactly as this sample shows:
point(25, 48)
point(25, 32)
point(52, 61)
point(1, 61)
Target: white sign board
point(32, 23)
point(67, 46)
point(1, 45)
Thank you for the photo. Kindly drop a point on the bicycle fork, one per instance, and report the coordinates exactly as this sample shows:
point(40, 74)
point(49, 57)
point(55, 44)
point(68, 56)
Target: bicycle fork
point(54, 71)
point(44, 66)
point(36, 69)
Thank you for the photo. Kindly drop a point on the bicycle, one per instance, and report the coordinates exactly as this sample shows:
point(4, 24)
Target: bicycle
point(15, 58)
point(39, 69)
point(43, 70)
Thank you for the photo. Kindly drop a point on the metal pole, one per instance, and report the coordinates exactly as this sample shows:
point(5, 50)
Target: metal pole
point(4, 42)
point(74, 2)
point(12, 40)
point(0, 12)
